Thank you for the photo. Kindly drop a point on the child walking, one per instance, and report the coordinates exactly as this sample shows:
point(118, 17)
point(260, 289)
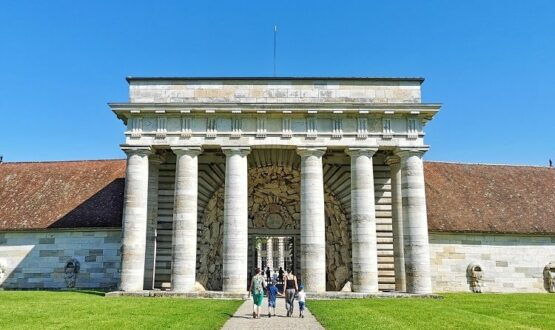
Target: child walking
point(273, 292)
point(301, 296)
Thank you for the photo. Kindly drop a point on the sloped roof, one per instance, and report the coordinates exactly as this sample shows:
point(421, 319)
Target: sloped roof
point(460, 197)
point(72, 194)
point(490, 198)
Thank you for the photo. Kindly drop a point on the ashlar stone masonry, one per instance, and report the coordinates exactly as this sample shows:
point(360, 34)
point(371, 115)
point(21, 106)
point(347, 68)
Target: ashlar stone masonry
point(258, 156)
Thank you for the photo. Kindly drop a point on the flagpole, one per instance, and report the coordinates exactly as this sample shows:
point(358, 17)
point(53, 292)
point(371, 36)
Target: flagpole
point(275, 43)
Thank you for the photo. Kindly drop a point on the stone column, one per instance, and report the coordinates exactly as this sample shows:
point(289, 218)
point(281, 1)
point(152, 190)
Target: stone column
point(415, 228)
point(184, 244)
point(134, 219)
point(152, 221)
point(394, 163)
point(363, 221)
point(258, 255)
point(313, 222)
point(270, 253)
point(280, 253)
point(235, 220)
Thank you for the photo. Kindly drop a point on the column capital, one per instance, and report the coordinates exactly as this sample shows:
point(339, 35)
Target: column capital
point(368, 151)
point(405, 152)
point(242, 150)
point(137, 150)
point(311, 151)
point(182, 150)
point(392, 160)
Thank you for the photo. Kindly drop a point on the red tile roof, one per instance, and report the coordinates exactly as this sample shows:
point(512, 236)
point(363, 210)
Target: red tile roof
point(490, 198)
point(460, 197)
point(61, 194)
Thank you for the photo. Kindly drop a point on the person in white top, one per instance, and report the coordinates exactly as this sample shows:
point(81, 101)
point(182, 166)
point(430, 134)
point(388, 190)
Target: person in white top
point(301, 296)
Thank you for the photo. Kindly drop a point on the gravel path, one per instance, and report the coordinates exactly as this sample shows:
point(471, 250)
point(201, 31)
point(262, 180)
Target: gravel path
point(242, 319)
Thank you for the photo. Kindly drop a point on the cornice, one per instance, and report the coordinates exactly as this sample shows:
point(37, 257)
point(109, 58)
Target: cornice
point(124, 110)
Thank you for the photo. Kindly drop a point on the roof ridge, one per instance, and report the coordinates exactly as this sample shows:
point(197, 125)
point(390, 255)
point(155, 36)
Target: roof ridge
point(65, 161)
point(485, 164)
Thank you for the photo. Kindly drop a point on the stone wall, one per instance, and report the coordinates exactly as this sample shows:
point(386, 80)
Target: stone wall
point(274, 204)
point(37, 259)
point(510, 263)
point(241, 91)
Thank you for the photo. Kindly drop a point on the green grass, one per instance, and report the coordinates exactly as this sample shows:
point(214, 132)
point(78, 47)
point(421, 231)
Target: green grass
point(91, 310)
point(456, 311)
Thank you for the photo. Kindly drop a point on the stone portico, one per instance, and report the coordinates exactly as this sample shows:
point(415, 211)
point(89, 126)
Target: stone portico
point(213, 163)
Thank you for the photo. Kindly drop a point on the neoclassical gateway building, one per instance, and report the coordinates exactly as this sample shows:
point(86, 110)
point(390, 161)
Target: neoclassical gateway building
point(323, 176)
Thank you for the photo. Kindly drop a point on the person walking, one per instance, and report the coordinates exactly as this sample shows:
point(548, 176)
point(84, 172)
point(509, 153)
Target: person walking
point(301, 296)
point(289, 289)
point(273, 292)
point(268, 274)
point(258, 284)
point(280, 273)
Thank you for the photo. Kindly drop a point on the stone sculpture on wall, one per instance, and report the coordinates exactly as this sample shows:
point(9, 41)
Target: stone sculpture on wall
point(3, 274)
point(549, 277)
point(474, 274)
point(71, 270)
point(274, 203)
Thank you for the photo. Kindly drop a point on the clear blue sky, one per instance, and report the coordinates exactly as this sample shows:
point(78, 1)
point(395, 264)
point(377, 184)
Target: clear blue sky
point(491, 63)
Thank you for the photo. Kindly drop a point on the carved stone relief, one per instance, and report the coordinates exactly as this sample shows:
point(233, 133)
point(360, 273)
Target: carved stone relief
point(274, 204)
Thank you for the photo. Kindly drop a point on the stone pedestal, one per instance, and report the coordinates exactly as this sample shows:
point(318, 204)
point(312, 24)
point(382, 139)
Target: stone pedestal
point(235, 220)
point(415, 223)
point(185, 219)
point(363, 221)
point(394, 163)
point(313, 224)
point(134, 219)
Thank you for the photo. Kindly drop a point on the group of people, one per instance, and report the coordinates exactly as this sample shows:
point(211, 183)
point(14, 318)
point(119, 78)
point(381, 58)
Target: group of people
point(291, 289)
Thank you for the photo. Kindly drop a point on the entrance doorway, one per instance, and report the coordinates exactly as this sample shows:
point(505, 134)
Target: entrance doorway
point(272, 252)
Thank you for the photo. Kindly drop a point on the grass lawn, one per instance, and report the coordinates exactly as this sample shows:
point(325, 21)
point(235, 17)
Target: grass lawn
point(78, 310)
point(456, 311)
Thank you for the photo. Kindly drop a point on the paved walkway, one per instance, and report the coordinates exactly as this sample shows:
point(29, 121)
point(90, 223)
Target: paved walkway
point(242, 319)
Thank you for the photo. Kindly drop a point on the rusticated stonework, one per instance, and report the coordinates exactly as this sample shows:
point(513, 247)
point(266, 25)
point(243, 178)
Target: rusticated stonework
point(274, 203)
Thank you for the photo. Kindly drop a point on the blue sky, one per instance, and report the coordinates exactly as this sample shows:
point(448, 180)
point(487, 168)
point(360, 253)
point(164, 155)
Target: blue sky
point(491, 63)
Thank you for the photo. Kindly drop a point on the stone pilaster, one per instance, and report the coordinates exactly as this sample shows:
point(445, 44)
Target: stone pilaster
point(152, 221)
point(281, 254)
point(313, 223)
point(394, 163)
point(363, 221)
point(235, 220)
point(134, 219)
point(184, 244)
point(270, 253)
point(415, 223)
